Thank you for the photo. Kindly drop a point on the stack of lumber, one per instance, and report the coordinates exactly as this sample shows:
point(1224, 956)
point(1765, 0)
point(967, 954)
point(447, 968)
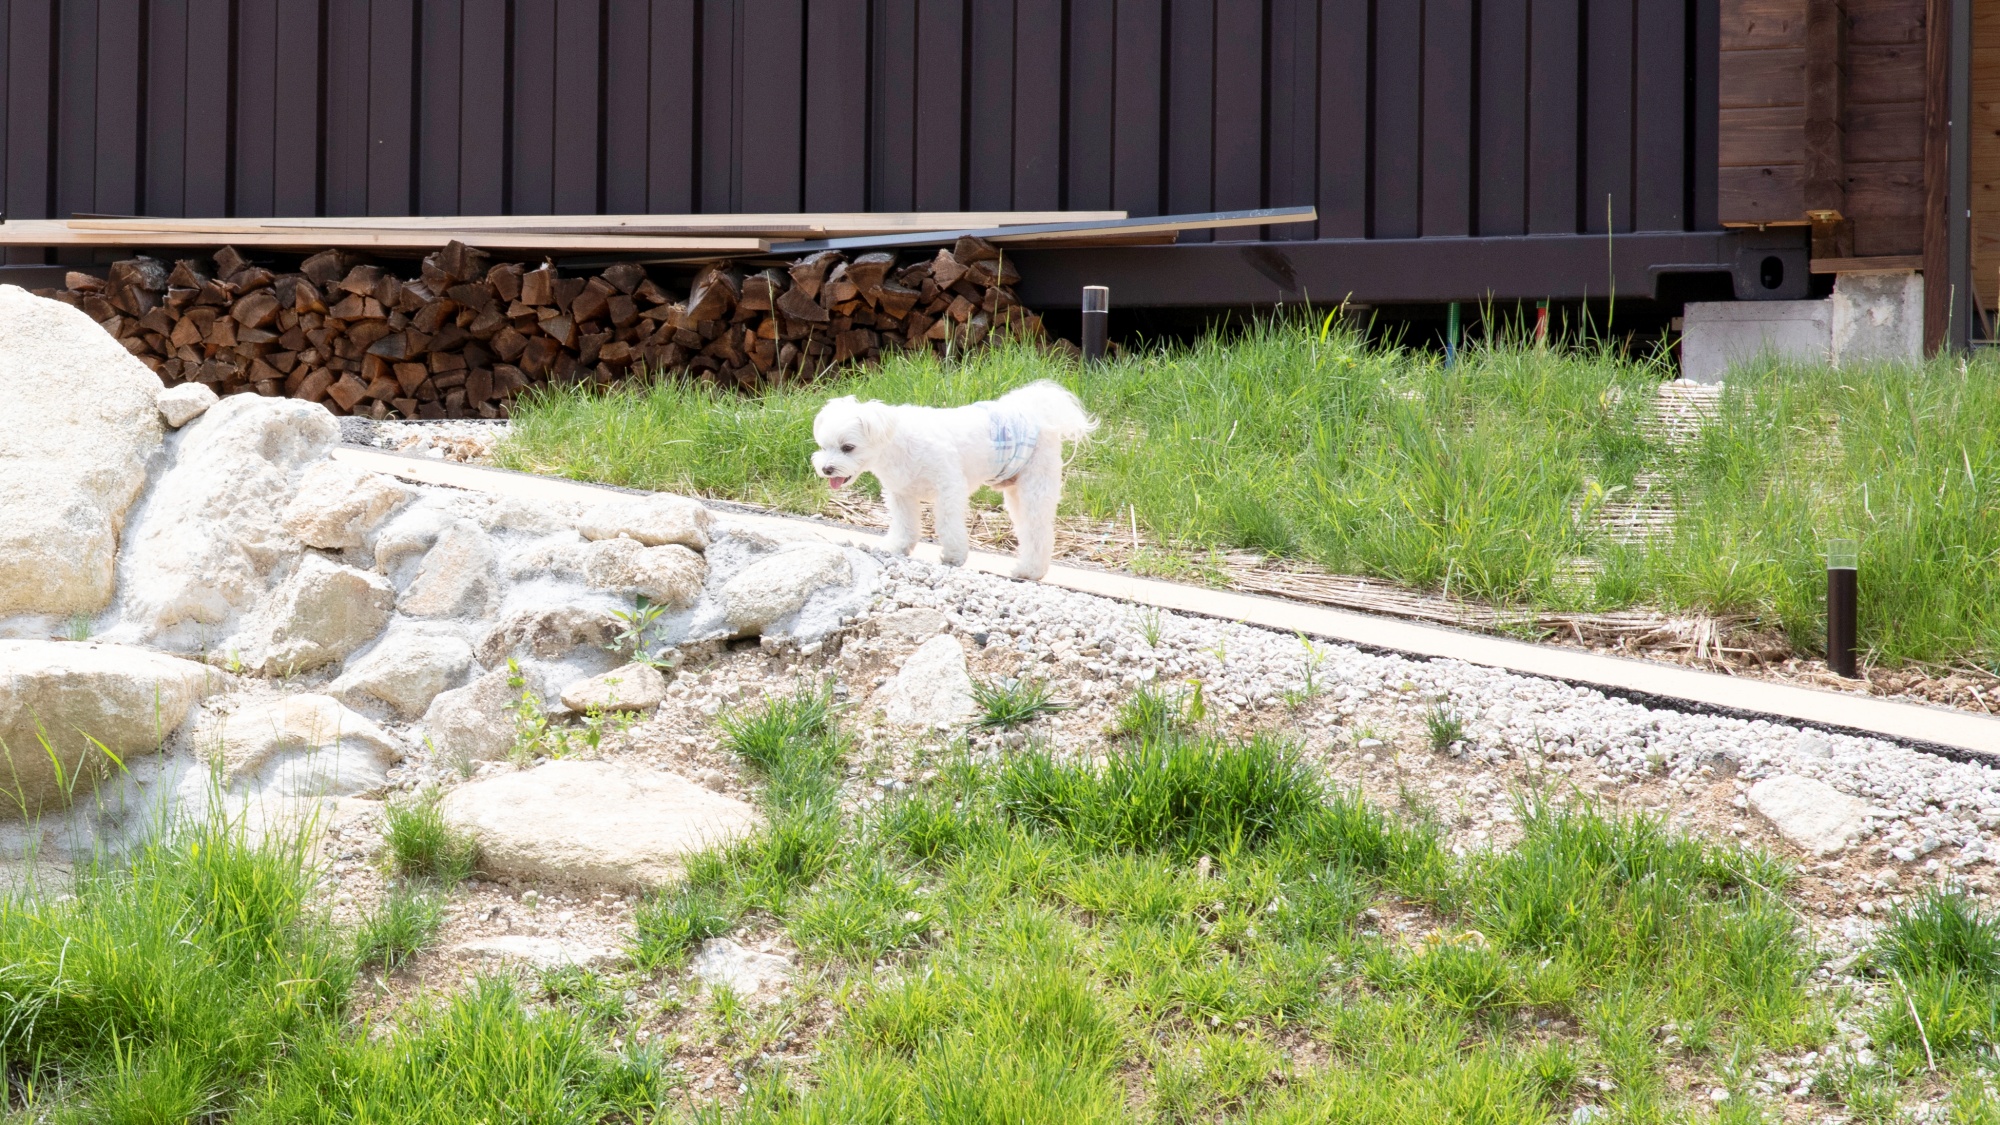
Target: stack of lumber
point(467, 334)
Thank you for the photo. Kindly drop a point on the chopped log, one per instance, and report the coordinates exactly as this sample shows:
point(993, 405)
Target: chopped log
point(537, 286)
point(347, 391)
point(969, 250)
point(625, 276)
point(257, 310)
point(590, 302)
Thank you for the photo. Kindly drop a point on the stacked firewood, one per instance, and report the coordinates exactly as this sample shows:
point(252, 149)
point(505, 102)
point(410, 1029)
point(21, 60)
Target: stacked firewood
point(467, 335)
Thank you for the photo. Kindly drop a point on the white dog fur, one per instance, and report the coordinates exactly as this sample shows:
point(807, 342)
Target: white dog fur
point(919, 454)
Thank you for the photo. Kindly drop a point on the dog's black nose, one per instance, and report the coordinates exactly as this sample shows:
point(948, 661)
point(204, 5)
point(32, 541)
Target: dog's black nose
point(826, 471)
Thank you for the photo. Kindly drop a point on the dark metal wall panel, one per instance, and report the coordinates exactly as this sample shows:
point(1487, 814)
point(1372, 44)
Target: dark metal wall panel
point(1399, 119)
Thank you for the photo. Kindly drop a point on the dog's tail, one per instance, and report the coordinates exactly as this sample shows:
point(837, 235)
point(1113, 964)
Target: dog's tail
point(1053, 408)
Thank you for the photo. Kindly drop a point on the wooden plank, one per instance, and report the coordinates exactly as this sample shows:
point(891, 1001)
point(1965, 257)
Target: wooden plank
point(166, 109)
point(1762, 195)
point(1093, 38)
point(56, 232)
point(118, 105)
point(773, 65)
point(1825, 143)
point(843, 223)
point(836, 106)
point(1447, 120)
point(1190, 126)
point(990, 126)
point(1291, 163)
point(1138, 131)
point(1862, 265)
point(391, 94)
point(1344, 46)
point(483, 79)
point(1608, 119)
point(440, 62)
point(1037, 83)
point(1062, 232)
point(1885, 21)
point(295, 151)
point(532, 176)
point(1503, 118)
point(1398, 188)
point(941, 94)
point(1763, 24)
point(1889, 235)
point(1659, 191)
point(1892, 73)
point(1753, 79)
point(257, 93)
point(206, 174)
point(346, 108)
point(1757, 137)
point(1892, 131)
point(670, 95)
point(76, 108)
point(1552, 118)
point(1936, 168)
point(1885, 188)
point(1238, 117)
point(894, 105)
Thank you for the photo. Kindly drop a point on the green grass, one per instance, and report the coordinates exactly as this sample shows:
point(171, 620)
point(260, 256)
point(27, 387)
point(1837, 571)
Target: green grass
point(1009, 703)
point(1477, 480)
point(422, 845)
point(402, 926)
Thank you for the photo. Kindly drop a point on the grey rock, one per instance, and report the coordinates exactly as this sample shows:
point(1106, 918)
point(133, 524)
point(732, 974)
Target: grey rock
point(306, 746)
point(1811, 815)
point(406, 670)
point(474, 723)
point(633, 687)
point(456, 578)
point(322, 612)
point(547, 634)
point(654, 520)
point(182, 404)
point(671, 576)
point(775, 587)
point(932, 688)
point(916, 623)
point(339, 505)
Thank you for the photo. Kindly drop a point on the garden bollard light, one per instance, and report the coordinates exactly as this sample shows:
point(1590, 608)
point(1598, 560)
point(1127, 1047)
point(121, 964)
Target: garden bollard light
point(1096, 321)
point(1842, 557)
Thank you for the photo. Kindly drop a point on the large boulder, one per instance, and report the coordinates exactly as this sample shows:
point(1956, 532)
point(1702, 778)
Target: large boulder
point(210, 534)
point(68, 710)
point(653, 520)
point(933, 687)
point(322, 612)
point(773, 588)
point(339, 505)
point(456, 578)
point(671, 575)
point(592, 823)
point(407, 670)
point(306, 746)
point(77, 428)
point(474, 723)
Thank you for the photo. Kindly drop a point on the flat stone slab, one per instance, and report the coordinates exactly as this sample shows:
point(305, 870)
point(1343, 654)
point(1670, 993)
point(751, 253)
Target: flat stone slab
point(593, 823)
point(744, 971)
point(1811, 815)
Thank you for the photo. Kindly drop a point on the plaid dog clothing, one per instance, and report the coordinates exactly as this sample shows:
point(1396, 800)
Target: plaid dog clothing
point(1014, 437)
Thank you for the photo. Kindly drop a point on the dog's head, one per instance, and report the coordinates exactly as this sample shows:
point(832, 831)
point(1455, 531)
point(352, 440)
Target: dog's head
point(849, 433)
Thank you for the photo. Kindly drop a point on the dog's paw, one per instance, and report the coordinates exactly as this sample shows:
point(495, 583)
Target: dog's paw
point(951, 557)
point(1028, 572)
point(899, 546)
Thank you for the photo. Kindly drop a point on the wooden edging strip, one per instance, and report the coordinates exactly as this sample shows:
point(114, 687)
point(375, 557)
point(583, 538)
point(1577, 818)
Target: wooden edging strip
point(1954, 734)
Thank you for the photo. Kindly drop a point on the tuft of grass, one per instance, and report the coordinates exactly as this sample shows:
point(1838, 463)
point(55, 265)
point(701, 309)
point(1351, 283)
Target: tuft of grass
point(401, 926)
point(422, 845)
point(1942, 932)
point(1009, 703)
point(668, 923)
point(1443, 727)
point(1154, 711)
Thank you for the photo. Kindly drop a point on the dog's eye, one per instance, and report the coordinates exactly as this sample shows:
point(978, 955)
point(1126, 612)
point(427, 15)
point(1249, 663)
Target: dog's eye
point(848, 448)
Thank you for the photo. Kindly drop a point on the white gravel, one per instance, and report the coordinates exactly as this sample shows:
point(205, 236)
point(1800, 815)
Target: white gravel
point(1921, 807)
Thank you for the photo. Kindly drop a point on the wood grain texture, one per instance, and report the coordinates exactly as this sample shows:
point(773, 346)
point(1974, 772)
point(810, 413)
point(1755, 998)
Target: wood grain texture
point(1825, 140)
point(1757, 79)
point(1763, 24)
point(1768, 135)
point(1761, 195)
point(1885, 21)
point(1893, 131)
point(1878, 74)
point(1984, 169)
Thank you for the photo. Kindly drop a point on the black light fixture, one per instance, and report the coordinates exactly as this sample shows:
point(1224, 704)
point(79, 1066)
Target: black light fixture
point(1096, 321)
point(1842, 560)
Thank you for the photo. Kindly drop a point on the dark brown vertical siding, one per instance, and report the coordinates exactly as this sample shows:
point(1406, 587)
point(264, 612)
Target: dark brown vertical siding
point(1397, 118)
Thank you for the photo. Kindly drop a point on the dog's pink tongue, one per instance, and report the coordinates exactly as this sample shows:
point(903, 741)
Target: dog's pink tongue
point(837, 483)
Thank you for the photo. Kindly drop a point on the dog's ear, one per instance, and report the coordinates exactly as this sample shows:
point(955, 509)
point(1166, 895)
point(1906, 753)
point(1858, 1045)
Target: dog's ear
point(877, 421)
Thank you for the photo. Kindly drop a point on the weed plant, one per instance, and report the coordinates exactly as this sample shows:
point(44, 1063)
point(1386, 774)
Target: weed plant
point(1009, 703)
point(1482, 479)
point(422, 845)
point(402, 926)
point(1941, 958)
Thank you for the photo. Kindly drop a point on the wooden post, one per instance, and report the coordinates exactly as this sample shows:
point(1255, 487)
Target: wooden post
point(1937, 173)
point(1825, 132)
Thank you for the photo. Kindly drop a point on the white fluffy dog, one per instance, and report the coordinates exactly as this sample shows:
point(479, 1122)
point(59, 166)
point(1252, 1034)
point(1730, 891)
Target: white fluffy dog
point(1014, 444)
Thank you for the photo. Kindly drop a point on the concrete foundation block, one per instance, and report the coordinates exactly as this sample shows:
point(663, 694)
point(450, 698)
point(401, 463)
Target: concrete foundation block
point(1717, 334)
point(1878, 315)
